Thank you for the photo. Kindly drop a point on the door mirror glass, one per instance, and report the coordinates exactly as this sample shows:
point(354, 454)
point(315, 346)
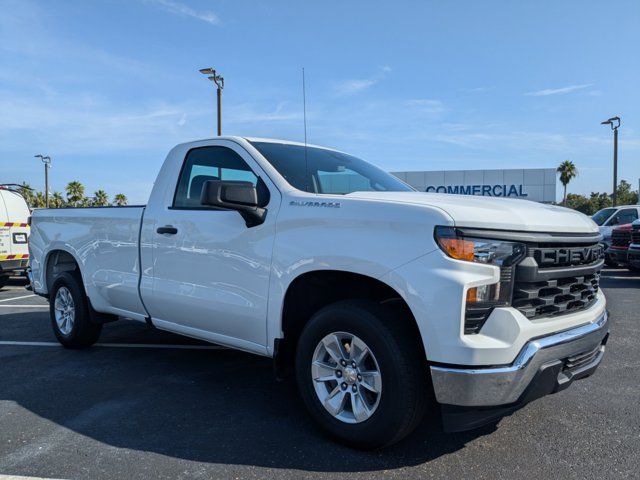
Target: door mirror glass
point(234, 195)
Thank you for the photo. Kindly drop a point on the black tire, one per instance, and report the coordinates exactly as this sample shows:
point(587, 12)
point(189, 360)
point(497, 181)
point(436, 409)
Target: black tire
point(608, 261)
point(3, 281)
point(394, 342)
point(83, 332)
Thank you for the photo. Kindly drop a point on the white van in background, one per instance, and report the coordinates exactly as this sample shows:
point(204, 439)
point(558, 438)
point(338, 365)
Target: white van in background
point(14, 233)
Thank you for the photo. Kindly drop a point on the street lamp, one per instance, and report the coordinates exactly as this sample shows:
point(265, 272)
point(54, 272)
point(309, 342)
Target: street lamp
point(615, 123)
point(219, 81)
point(46, 160)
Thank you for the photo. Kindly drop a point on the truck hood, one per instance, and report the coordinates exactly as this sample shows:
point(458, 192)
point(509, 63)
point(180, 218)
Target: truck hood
point(492, 212)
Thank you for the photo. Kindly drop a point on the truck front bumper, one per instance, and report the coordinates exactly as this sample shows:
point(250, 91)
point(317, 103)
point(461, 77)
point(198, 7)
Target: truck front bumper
point(474, 396)
point(633, 256)
point(618, 255)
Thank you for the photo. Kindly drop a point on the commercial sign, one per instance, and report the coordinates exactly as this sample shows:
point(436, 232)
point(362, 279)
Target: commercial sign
point(484, 190)
point(538, 184)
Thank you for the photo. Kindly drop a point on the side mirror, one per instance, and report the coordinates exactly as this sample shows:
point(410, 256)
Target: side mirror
point(234, 195)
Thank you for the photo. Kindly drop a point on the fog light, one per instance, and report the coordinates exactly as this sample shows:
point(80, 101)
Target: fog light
point(484, 293)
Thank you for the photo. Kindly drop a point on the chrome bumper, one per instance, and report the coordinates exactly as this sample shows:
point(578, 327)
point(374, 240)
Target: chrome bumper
point(573, 353)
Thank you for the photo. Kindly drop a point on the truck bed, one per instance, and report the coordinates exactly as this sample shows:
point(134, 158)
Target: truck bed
point(105, 241)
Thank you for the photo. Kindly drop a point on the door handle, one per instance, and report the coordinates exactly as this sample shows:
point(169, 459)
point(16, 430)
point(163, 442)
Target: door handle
point(168, 229)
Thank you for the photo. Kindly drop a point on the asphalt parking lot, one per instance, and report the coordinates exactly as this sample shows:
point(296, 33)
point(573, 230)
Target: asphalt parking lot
point(146, 404)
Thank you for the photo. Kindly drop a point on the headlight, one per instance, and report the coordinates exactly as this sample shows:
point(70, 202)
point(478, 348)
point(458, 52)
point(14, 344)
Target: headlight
point(481, 300)
point(479, 250)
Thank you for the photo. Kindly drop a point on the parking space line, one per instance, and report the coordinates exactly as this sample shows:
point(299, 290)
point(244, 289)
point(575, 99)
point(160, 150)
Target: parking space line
point(24, 306)
point(117, 345)
point(14, 477)
point(17, 298)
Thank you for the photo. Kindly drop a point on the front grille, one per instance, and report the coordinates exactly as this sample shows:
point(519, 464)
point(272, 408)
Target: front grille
point(558, 273)
point(557, 296)
point(635, 234)
point(557, 279)
point(621, 238)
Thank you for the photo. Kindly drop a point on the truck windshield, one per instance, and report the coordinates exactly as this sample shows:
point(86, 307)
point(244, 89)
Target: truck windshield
point(603, 215)
point(327, 171)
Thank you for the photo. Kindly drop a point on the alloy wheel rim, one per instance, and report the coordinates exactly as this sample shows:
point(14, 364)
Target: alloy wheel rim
point(346, 377)
point(65, 311)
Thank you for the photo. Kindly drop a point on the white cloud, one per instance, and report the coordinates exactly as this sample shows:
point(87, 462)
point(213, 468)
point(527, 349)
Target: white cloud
point(558, 91)
point(183, 10)
point(426, 105)
point(348, 87)
point(353, 86)
point(476, 90)
point(246, 114)
point(79, 122)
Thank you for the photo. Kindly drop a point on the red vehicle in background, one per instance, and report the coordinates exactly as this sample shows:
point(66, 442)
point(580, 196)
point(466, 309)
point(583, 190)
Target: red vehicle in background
point(620, 241)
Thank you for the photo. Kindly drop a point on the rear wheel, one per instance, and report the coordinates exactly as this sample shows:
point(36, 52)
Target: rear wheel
point(362, 373)
point(69, 311)
point(3, 281)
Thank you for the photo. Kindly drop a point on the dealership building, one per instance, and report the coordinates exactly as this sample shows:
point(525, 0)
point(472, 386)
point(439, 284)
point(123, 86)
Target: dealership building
point(538, 184)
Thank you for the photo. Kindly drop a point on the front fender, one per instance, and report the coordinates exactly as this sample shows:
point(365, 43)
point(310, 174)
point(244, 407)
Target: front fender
point(361, 237)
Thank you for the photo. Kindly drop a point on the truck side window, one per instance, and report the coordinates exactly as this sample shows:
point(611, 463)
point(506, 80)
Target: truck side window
point(208, 163)
point(628, 215)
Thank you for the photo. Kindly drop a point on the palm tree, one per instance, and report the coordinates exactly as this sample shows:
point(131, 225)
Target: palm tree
point(100, 199)
point(39, 201)
point(75, 193)
point(56, 200)
point(567, 171)
point(27, 192)
point(120, 199)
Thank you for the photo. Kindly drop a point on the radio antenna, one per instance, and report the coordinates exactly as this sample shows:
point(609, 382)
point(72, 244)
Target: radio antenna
point(304, 117)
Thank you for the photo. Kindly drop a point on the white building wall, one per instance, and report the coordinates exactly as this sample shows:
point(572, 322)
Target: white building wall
point(538, 184)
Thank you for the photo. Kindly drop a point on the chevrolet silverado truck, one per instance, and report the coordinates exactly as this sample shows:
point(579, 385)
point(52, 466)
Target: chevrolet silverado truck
point(609, 218)
point(383, 302)
point(633, 253)
point(619, 246)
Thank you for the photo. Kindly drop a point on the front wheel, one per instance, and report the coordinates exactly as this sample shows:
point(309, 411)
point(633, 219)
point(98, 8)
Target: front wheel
point(362, 373)
point(69, 311)
point(609, 262)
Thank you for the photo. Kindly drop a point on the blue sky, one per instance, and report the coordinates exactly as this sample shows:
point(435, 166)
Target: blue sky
point(107, 87)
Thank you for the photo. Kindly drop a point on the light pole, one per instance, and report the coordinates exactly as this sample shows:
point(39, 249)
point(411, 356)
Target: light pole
point(46, 160)
point(615, 123)
point(219, 81)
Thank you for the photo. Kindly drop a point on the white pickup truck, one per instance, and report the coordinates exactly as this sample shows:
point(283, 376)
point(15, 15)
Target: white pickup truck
point(384, 301)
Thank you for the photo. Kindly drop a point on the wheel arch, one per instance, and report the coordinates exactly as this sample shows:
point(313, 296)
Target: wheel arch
point(59, 260)
point(312, 290)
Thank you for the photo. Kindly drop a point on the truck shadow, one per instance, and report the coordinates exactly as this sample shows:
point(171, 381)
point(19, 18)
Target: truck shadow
point(213, 406)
